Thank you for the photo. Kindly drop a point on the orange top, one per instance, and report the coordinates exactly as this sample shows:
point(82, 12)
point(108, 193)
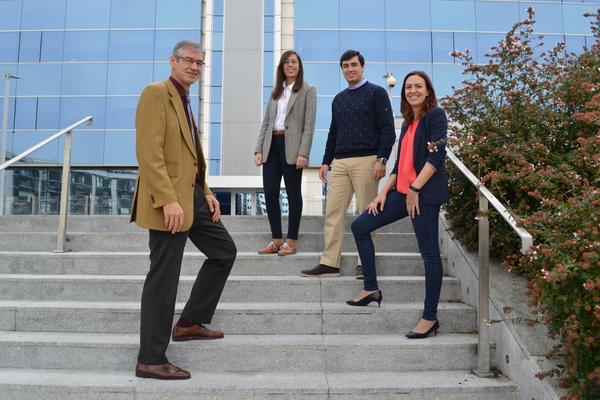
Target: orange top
point(406, 166)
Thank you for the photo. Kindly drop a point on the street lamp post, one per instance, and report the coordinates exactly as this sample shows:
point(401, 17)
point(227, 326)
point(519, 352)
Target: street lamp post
point(7, 77)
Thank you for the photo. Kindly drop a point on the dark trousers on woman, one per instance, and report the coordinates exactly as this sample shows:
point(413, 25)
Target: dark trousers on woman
point(276, 167)
point(425, 226)
point(160, 288)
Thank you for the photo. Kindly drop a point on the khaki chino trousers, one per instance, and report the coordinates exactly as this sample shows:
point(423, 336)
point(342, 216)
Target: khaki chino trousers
point(353, 175)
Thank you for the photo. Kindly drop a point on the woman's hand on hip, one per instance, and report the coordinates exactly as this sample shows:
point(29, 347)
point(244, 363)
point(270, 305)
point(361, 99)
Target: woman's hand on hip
point(301, 162)
point(258, 159)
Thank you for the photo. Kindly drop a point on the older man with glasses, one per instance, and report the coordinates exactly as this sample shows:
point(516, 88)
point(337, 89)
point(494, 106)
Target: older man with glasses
point(174, 202)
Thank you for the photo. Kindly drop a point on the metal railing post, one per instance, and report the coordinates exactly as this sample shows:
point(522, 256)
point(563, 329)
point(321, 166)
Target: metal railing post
point(483, 343)
point(64, 195)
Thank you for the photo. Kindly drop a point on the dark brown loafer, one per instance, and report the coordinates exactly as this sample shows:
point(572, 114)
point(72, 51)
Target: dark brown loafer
point(195, 332)
point(161, 371)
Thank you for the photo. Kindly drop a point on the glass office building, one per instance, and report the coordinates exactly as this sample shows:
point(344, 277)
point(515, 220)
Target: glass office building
point(399, 36)
point(93, 57)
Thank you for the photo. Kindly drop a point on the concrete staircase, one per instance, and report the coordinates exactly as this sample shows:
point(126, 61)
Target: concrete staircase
point(69, 322)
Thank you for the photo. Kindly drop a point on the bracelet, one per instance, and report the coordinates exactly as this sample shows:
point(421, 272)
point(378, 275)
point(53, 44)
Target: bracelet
point(414, 189)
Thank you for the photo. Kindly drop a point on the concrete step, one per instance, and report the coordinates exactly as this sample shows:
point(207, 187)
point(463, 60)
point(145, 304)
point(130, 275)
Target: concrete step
point(105, 223)
point(122, 385)
point(246, 263)
point(236, 318)
point(252, 289)
point(244, 353)
point(138, 241)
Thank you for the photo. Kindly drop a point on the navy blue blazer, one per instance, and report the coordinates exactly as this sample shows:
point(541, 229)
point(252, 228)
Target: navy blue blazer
point(432, 128)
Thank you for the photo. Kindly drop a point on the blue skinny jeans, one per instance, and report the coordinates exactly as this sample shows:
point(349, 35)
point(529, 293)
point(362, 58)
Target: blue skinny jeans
point(425, 226)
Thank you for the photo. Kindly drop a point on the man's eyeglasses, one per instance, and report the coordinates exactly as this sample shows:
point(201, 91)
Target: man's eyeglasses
point(190, 61)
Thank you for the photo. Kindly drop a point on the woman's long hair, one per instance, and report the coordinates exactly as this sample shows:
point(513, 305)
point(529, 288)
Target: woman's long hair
point(278, 89)
point(430, 101)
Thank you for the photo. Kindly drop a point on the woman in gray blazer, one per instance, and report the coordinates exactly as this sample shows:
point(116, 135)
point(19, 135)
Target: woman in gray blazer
point(283, 147)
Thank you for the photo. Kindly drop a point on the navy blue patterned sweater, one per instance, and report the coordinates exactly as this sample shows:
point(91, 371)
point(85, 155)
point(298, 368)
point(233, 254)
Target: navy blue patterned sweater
point(362, 124)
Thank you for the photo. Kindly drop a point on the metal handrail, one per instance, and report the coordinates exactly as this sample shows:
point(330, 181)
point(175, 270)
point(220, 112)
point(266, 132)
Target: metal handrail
point(66, 175)
point(484, 196)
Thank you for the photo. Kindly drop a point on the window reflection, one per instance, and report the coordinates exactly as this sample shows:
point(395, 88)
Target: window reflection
point(81, 79)
point(178, 14)
point(354, 14)
point(327, 17)
point(453, 15)
point(407, 14)
point(86, 14)
point(26, 110)
point(131, 46)
point(120, 112)
point(119, 147)
point(10, 14)
point(29, 46)
point(318, 45)
point(39, 79)
point(91, 191)
point(128, 78)
point(443, 45)
point(325, 77)
point(52, 46)
point(372, 45)
point(496, 16)
point(43, 14)
point(23, 140)
point(87, 147)
point(9, 46)
point(132, 14)
point(86, 46)
point(73, 109)
point(548, 17)
point(408, 47)
point(48, 111)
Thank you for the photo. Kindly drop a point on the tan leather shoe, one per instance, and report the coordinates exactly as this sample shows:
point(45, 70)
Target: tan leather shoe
point(286, 249)
point(195, 332)
point(161, 371)
point(271, 248)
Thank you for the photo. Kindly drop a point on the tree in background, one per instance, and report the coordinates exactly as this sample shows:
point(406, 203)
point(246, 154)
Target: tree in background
point(528, 123)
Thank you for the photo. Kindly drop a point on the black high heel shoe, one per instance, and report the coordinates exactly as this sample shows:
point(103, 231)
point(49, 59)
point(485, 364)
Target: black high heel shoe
point(365, 301)
point(416, 335)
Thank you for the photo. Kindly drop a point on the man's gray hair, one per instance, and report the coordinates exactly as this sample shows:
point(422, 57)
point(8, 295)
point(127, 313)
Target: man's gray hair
point(187, 45)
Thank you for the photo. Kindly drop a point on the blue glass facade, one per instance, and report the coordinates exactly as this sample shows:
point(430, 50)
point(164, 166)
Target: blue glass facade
point(401, 36)
point(93, 57)
point(87, 57)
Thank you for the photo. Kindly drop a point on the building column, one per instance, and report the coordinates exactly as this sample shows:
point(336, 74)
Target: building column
point(242, 85)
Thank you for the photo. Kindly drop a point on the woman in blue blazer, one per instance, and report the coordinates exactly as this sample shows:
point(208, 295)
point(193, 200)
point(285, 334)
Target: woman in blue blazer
point(417, 187)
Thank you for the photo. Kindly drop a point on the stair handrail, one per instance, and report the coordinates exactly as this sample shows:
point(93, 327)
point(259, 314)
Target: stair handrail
point(66, 175)
point(484, 197)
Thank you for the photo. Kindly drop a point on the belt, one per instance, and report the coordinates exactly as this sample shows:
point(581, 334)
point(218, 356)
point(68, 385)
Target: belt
point(279, 132)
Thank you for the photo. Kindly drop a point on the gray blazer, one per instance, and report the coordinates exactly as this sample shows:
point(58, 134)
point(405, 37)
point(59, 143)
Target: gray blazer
point(299, 125)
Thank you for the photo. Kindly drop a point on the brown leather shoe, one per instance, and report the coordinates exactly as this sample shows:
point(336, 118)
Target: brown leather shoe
point(271, 248)
point(161, 371)
point(195, 332)
point(286, 249)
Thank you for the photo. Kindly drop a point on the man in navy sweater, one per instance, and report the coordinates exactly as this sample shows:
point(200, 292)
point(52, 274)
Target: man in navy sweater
point(359, 143)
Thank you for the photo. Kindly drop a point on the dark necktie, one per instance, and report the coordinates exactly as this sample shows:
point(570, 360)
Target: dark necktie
point(191, 121)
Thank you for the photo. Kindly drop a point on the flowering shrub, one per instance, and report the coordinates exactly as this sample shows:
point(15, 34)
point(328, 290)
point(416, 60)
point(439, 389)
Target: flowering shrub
point(529, 125)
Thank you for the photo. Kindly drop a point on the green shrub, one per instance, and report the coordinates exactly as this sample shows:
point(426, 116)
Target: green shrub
point(529, 126)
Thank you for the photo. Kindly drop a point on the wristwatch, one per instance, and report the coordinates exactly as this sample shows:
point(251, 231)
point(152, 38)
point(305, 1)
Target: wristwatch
point(382, 160)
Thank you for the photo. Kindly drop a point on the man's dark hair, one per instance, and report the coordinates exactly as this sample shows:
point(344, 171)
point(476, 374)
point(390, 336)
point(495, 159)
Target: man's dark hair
point(348, 54)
